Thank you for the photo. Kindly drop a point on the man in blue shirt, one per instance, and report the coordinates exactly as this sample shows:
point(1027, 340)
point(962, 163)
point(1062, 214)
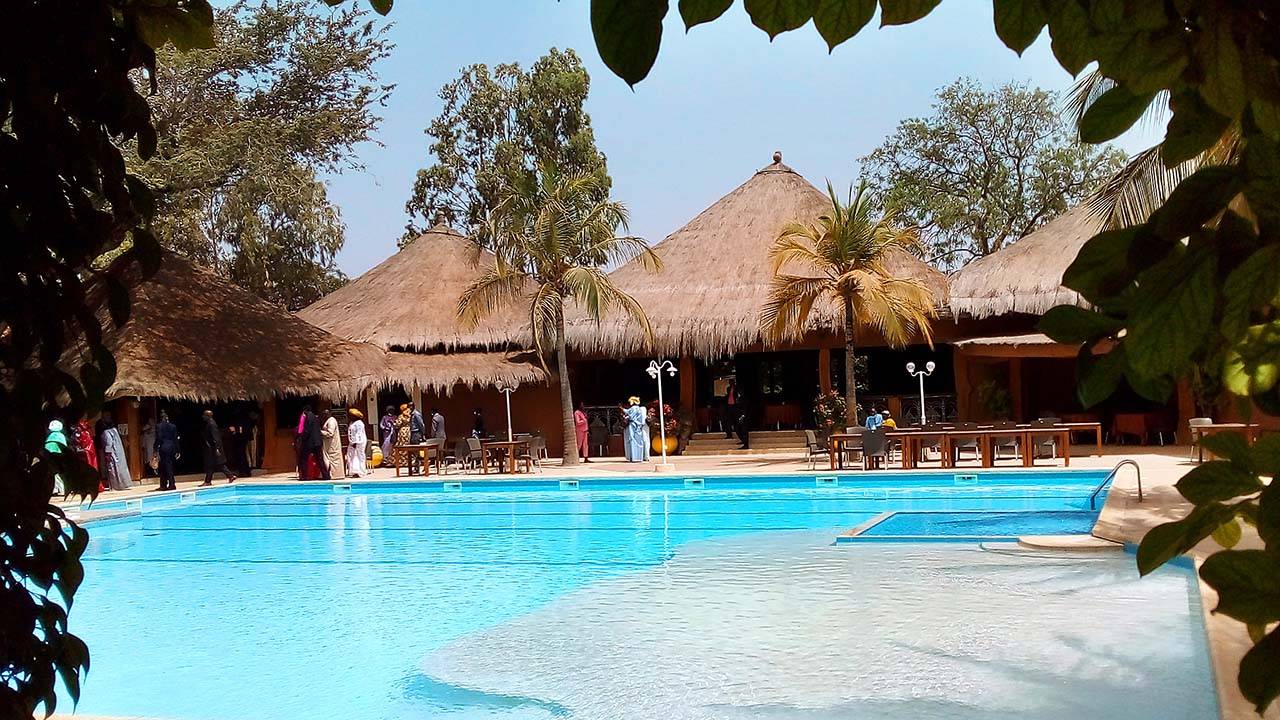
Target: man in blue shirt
point(874, 420)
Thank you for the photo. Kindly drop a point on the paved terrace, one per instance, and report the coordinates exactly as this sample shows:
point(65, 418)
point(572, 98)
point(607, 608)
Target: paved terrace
point(1123, 519)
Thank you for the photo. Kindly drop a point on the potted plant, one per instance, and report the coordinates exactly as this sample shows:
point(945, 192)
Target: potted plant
point(829, 412)
point(672, 427)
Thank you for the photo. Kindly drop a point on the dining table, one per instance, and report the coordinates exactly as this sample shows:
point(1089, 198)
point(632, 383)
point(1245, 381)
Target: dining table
point(499, 447)
point(429, 448)
point(914, 440)
point(1198, 432)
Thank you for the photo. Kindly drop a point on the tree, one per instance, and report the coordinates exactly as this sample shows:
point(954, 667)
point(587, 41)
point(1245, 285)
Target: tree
point(553, 238)
point(495, 129)
point(986, 168)
point(1191, 288)
point(840, 258)
point(247, 128)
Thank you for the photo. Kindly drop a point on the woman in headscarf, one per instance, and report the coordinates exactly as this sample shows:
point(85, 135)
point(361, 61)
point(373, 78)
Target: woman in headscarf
point(56, 442)
point(637, 426)
point(82, 443)
point(332, 445)
point(114, 465)
point(402, 435)
point(388, 427)
point(357, 441)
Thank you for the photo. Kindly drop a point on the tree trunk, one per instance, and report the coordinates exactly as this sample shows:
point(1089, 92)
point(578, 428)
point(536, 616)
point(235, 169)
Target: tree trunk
point(570, 456)
point(850, 351)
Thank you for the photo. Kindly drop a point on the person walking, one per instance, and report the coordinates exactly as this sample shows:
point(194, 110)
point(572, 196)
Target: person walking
point(387, 425)
point(357, 442)
point(637, 423)
point(215, 458)
point(312, 446)
point(56, 443)
point(580, 426)
point(404, 436)
point(742, 421)
point(167, 450)
point(114, 465)
point(331, 443)
point(437, 425)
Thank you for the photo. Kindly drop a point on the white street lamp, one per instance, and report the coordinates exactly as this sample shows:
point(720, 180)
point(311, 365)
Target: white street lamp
point(506, 389)
point(928, 370)
point(655, 371)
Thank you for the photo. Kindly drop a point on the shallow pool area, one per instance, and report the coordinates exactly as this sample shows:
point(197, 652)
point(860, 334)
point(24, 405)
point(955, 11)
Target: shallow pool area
point(661, 598)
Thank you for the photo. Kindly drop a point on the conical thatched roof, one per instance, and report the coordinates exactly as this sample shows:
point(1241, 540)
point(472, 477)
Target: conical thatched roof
point(1025, 277)
point(440, 373)
point(193, 335)
point(410, 300)
point(707, 299)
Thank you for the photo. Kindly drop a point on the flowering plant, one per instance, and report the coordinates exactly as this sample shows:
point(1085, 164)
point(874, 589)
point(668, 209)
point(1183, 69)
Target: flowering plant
point(668, 414)
point(829, 410)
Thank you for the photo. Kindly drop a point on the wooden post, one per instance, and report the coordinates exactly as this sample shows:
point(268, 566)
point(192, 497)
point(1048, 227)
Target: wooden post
point(268, 435)
point(126, 413)
point(960, 364)
point(1015, 389)
point(824, 369)
point(1186, 411)
point(688, 385)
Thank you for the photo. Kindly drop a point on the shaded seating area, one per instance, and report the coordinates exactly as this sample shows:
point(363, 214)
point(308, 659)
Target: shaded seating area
point(952, 442)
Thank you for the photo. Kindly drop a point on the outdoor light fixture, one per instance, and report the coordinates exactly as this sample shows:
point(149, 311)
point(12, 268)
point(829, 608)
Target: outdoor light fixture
point(506, 389)
point(928, 370)
point(655, 371)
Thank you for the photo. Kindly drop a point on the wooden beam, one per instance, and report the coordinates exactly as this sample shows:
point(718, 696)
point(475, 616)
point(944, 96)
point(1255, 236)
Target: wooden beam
point(964, 393)
point(688, 384)
point(824, 369)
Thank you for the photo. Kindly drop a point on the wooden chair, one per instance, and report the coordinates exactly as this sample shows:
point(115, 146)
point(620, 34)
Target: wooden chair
point(814, 449)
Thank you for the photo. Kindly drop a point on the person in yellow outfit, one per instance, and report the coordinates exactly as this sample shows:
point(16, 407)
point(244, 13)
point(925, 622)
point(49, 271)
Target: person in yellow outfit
point(888, 423)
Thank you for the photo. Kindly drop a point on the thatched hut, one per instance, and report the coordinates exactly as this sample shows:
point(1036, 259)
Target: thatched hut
point(1025, 277)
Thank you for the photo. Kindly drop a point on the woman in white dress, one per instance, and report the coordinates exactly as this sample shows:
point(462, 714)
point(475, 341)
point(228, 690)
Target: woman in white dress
point(357, 441)
point(114, 466)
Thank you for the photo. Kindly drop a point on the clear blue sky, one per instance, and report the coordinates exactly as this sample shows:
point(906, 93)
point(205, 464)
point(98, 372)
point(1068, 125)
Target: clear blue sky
point(720, 100)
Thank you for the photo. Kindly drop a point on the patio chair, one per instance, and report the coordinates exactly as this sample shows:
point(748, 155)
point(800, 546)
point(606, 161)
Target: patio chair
point(813, 448)
point(853, 445)
point(1012, 441)
point(537, 449)
point(1192, 424)
point(475, 454)
point(461, 453)
point(1045, 442)
point(931, 443)
point(874, 449)
point(966, 443)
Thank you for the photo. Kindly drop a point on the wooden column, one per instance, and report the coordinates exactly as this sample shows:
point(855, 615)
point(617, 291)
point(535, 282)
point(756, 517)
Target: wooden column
point(1186, 411)
point(824, 369)
point(1015, 389)
point(688, 384)
point(267, 435)
point(964, 393)
point(126, 413)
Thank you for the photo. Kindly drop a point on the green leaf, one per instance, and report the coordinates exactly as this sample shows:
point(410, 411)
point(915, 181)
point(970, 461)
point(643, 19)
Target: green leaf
point(1019, 22)
point(382, 7)
point(628, 34)
point(1196, 200)
point(1228, 534)
point(902, 12)
point(839, 20)
point(1164, 542)
point(1253, 284)
point(1099, 269)
point(1071, 324)
point(1072, 36)
point(1215, 481)
point(1265, 455)
point(1248, 584)
point(1251, 367)
point(1113, 113)
point(118, 302)
point(696, 12)
point(1256, 632)
point(1267, 520)
point(1098, 375)
point(1229, 446)
point(1259, 677)
point(187, 27)
point(778, 16)
point(1223, 86)
point(1173, 314)
point(1155, 388)
point(1194, 128)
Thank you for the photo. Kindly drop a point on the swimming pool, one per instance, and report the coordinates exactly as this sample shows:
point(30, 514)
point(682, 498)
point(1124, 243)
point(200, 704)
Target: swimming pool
point(726, 598)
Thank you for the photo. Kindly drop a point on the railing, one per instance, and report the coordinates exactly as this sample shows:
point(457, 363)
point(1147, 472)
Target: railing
point(1111, 476)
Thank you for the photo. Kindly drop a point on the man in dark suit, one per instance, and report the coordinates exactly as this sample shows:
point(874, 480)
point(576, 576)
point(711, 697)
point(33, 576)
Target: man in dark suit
point(215, 459)
point(167, 451)
point(312, 445)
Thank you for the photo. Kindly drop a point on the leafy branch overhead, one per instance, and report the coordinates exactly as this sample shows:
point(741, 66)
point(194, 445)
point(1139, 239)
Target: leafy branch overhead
point(1185, 292)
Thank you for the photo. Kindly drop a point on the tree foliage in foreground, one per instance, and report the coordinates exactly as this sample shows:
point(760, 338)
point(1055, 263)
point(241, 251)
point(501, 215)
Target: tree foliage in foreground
point(246, 131)
point(1192, 288)
point(986, 168)
point(497, 126)
point(68, 102)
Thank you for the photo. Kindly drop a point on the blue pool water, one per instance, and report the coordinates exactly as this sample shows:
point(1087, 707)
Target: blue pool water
point(636, 600)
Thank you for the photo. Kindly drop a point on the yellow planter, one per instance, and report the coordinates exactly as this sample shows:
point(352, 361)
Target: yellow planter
point(672, 444)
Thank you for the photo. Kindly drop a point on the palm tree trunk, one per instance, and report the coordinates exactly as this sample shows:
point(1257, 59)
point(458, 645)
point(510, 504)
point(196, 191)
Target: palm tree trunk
point(850, 352)
point(570, 456)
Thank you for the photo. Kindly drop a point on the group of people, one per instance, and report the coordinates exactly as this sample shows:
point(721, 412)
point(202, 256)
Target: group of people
point(880, 419)
point(319, 447)
point(409, 427)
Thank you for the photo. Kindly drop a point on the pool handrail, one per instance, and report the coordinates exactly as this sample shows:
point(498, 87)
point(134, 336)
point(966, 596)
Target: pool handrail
point(1111, 476)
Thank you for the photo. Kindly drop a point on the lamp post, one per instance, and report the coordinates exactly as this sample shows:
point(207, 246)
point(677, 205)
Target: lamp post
point(928, 370)
point(506, 390)
point(655, 371)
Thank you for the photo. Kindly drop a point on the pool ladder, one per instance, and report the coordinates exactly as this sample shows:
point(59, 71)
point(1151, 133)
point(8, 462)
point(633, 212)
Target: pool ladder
point(1111, 476)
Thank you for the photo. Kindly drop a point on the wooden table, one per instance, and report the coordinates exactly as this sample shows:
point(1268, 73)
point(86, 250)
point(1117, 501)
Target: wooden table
point(510, 446)
point(913, 440)
point(1249, 430)
point(424, 448)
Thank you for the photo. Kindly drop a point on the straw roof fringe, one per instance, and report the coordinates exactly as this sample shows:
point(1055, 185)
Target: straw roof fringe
point(1026, 277)
point(410, 300)
point(716, 278)
point(441, 373)
point(193, 335)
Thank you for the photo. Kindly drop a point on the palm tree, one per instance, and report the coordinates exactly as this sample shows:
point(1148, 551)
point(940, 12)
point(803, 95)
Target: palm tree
point(840, 258)
point(553, 236)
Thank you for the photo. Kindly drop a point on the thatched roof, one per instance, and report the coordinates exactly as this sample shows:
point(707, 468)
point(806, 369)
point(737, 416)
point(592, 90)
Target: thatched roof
point(410, 300)
point(193, 335)
point(1026, 340)
point(442, 372)
point(1025, 277)
point(707, 299)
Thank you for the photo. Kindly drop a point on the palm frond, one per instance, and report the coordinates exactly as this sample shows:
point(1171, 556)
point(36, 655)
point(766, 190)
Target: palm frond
point(785, 314)
point(491, 292)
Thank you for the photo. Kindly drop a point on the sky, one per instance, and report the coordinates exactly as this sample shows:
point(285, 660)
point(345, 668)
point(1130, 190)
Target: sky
point(720, 100)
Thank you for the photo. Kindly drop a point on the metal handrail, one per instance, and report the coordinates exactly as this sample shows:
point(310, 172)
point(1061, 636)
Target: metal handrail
point(1111, 476)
